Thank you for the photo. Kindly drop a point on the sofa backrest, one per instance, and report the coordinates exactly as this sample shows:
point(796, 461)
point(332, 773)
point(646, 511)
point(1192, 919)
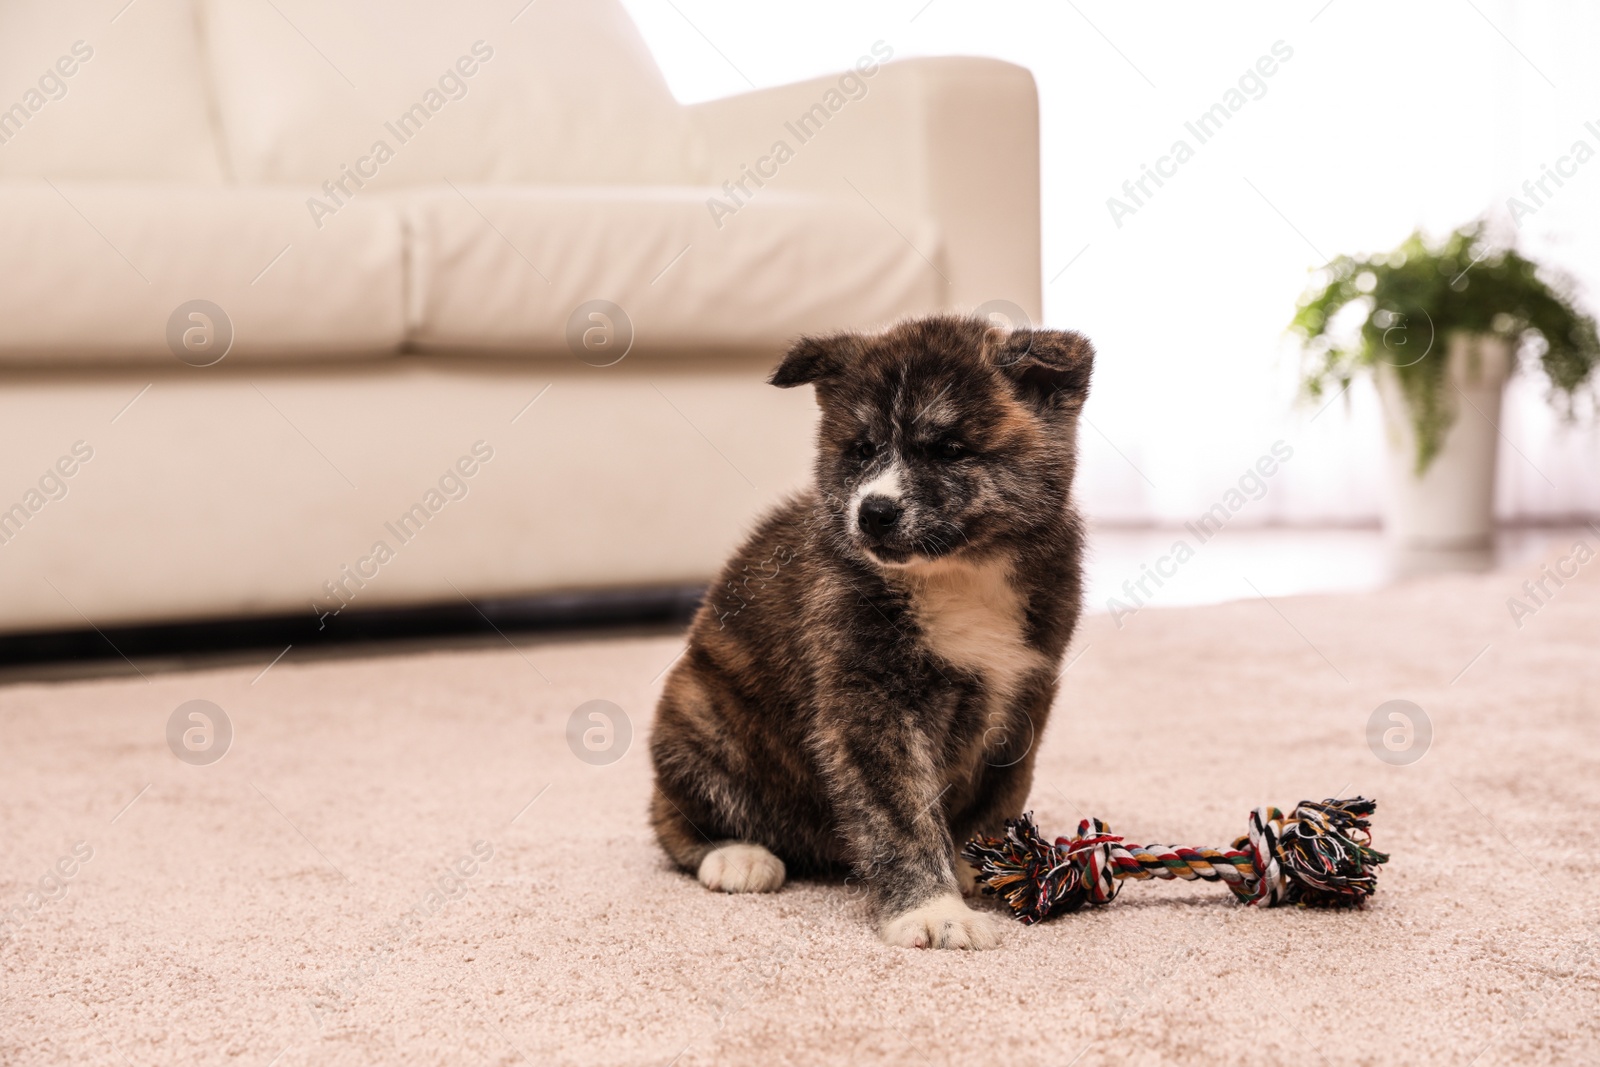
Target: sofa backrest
point(552, 92)
point(549, 92)
point(93, 89)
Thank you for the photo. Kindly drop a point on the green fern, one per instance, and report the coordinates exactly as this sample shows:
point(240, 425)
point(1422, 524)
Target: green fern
point(1416, 296)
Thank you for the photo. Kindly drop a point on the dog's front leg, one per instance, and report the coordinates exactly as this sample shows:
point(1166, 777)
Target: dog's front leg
point(886, 793)
point(1004, 778)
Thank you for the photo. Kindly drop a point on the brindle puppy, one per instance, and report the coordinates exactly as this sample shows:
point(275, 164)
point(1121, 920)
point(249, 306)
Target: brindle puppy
point(867, 681)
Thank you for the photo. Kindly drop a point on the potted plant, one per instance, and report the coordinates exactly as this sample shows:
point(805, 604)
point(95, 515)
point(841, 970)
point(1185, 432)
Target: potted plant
point(1440, 327)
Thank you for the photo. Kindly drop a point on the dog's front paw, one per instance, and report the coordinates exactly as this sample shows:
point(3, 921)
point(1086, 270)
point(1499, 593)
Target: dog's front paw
point(737, 867)
point(943, 922)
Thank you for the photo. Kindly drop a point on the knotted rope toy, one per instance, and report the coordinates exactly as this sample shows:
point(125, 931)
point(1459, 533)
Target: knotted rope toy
point(1321, 856)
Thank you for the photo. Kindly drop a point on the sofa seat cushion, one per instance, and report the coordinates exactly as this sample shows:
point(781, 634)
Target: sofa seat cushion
point(505, 268)
point(95, 272)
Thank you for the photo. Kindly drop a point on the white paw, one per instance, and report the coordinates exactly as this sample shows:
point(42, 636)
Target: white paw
point(740, 868)
point(966, 877)
point(943, 922)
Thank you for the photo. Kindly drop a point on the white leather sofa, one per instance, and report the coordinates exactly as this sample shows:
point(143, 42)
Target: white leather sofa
point(388, 353)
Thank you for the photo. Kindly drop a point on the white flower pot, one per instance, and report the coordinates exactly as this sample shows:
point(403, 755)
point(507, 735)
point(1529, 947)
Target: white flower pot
point(1451, 505)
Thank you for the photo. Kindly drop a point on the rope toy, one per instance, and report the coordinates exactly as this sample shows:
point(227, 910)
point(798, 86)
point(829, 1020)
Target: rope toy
point(1320, 857)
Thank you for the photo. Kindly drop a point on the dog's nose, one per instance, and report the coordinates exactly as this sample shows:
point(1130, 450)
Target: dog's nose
point(877, 514)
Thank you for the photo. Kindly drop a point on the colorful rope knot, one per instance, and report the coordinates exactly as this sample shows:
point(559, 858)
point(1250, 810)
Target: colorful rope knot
point(1320, 856)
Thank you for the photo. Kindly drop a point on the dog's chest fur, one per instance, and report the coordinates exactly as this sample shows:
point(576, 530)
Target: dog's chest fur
point(972, 616)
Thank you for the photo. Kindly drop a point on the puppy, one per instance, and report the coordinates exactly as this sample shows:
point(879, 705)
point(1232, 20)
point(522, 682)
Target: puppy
point(865, 684)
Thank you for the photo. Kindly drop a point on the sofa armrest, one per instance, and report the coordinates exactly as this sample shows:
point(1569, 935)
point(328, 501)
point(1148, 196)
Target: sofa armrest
point(952, 140)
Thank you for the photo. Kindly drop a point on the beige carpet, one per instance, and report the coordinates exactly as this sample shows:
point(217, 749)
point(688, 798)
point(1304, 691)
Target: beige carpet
point(261, 910)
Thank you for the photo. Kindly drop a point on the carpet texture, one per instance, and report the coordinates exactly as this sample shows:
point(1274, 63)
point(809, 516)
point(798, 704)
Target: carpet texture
point(283, 905)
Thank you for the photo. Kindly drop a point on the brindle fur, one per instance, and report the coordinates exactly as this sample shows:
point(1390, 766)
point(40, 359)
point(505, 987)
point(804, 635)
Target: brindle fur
point(812, 713)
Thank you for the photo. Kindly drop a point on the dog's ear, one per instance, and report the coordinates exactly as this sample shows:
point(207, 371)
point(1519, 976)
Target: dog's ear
point(1050, 367)
point(810, 359)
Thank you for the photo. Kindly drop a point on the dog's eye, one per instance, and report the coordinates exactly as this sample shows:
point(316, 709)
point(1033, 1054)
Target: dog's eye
point(864, 450)
point(950, 449)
